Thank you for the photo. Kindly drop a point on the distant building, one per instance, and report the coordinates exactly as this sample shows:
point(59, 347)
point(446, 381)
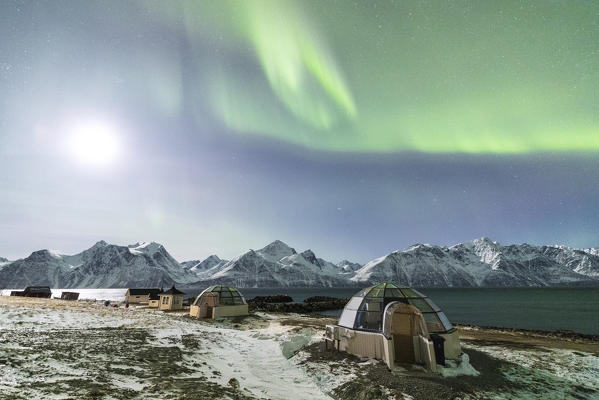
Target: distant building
point(69, 296)
point(34, 291)
point(154, 300)
point(172, 299)
point(140, 296)
point(219, 302)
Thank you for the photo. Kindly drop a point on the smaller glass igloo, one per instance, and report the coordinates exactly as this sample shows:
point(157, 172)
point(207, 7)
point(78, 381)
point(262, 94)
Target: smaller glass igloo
point(366, 309)
point(227, 296)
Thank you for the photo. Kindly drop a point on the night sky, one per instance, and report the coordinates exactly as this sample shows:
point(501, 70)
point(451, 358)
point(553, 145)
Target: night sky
point(351, 128)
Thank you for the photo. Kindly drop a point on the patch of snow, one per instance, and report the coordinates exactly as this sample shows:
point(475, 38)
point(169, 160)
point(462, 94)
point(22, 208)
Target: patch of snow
point(549, 373)
point(458, 367)
point(55, 254)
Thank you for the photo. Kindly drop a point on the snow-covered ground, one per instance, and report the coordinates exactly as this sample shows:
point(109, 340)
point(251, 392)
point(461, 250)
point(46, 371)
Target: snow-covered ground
point(254, 357)
point(55, 349)
point(547, 374)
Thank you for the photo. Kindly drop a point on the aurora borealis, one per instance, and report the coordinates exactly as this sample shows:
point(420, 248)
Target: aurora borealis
point(471, 77)
point(353, 128)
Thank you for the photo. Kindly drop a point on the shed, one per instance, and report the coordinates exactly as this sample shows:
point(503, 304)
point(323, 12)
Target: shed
point(172, 299)
point(154, 300)
point(34, 291)
point(69, 296)
point(140, 295)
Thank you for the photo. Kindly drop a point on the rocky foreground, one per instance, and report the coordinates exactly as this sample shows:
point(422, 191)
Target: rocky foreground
point(54, 349)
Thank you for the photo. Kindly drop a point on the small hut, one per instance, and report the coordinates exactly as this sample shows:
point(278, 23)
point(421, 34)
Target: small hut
point(43, 292)
point(140, 295)
point(219, 302)
point(172, 299)
point(154, 300)
point(69, 296)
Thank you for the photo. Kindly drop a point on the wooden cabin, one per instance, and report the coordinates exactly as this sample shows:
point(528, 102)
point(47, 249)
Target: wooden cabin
point(69, 296)
point(140, 295)
point(154, 300)
point(43, 292)
point(172, 299)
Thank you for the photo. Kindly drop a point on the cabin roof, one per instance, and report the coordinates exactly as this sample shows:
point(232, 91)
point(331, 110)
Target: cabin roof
point(172, 290)
point(43, 289)
point(142, 291)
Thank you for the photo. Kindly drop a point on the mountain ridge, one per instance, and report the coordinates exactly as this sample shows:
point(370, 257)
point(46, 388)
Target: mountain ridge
point(478, 263)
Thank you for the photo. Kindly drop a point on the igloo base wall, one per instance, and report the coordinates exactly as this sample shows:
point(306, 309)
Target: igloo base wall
point(218, 312)
point(230, 311)
point(376, 345)
point(452, 347)
point(363, 344)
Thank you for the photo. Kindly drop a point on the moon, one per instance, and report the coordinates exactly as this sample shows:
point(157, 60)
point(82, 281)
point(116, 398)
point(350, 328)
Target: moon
point(94, 142)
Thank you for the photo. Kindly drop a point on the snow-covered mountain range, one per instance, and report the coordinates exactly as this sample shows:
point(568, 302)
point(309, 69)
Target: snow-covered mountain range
point(277, 265)
point(478, 263)
point(103, 265)
point(483, 263)
point(200, 266)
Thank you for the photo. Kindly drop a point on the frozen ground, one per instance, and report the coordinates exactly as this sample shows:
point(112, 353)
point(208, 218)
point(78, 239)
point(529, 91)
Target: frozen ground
point(53, 349)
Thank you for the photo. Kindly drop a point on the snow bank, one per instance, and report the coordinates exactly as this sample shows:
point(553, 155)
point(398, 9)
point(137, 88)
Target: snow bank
point(458, 367)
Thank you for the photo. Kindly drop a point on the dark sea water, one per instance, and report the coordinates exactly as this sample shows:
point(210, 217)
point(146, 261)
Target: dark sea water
point(528, 308)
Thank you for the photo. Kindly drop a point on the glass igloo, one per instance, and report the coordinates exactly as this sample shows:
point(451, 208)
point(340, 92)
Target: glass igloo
point(227, 296)
point(366, 309)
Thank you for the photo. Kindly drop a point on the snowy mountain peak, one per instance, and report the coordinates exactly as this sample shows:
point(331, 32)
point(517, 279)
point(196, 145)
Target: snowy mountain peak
point(276, 250)
point(348, 266)
point(310, 256)
point(485, 241)
point(488, 251)
point(416, 247)
point(146, 248)
point(44, 255)
point(213, 258)
point(592, 251)
point(199, 267)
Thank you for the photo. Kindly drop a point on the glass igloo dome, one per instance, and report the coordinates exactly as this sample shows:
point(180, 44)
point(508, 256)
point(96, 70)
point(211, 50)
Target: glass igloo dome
point(366, 309)
point(227, 296)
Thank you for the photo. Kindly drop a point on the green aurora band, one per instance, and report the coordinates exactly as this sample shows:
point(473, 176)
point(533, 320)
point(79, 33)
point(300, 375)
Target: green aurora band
point(464, 77)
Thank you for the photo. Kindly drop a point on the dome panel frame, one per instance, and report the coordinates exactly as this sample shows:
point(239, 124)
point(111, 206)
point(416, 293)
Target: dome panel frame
point(365, 310)
point(228, 295)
